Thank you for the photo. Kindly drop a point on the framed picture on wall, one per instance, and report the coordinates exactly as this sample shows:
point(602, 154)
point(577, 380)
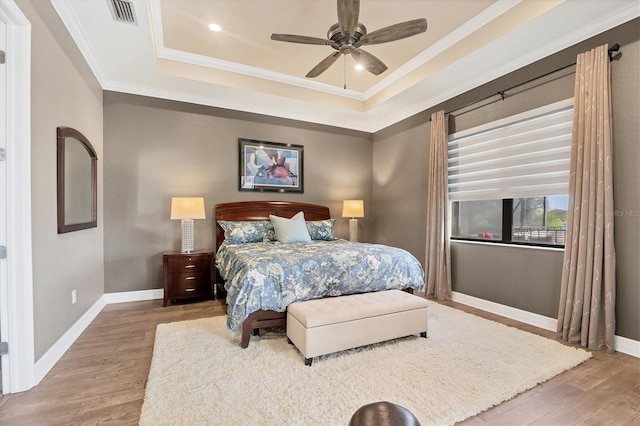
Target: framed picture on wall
point(269, 166)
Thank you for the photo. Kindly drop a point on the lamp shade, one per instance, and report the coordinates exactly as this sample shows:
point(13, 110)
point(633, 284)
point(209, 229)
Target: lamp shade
point(187, 208)
point(353, 208)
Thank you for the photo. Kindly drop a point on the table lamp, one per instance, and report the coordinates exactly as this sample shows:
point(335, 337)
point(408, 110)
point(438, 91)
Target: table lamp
point(187, 209)
point(353, 209)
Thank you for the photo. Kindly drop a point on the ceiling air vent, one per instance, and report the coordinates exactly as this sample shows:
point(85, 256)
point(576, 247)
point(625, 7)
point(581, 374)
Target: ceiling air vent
point(123, 11)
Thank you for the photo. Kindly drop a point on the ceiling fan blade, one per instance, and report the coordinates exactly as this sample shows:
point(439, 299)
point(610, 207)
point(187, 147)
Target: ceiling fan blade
point(323, 65)
point(348, 11)
point(290, 38)
point(395, 32)
point(369, 62)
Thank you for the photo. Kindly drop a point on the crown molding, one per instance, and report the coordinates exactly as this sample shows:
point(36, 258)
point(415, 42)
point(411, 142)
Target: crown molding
point(70, 20)
point(560, 27)
point(486, 16)
point(222, 65)
point(265, 104)
point(469, 73)
point(163, 52)
point(489, 14)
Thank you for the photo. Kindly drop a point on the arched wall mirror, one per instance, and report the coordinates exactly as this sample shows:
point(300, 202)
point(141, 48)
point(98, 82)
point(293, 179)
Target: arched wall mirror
point(77, 182)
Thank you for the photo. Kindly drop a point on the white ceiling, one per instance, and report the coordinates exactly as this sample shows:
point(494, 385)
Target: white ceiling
point(170, 53)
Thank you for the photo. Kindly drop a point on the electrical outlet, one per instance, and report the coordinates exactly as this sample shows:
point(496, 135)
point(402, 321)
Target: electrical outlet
point(74, 299)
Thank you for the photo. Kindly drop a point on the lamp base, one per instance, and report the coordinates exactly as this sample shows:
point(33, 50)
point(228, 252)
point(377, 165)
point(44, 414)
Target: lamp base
point(187, 235)
point(353, 230)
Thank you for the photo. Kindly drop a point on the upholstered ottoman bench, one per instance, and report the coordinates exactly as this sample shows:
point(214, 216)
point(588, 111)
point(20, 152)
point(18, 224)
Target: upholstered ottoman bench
point(322, 326)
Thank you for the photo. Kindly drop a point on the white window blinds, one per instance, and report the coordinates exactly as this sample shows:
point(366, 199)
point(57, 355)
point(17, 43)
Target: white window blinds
point(526, 155)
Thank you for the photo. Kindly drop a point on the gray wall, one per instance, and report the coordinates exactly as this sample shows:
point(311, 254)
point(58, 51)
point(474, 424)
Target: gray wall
point(400, 156)
point(626, 181)
point(156, 149)
point(63, 93)
point(524, 278)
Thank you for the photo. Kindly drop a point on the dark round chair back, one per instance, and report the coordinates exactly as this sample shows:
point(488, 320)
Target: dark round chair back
point(383, 413)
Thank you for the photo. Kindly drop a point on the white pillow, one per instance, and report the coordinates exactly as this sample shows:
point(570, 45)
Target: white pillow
point(292, 230)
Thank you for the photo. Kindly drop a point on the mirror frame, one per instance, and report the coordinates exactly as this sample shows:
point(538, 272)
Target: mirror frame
point(64, 133)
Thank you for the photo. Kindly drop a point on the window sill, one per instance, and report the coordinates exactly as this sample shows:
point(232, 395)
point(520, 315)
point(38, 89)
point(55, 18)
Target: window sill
point(517, 246)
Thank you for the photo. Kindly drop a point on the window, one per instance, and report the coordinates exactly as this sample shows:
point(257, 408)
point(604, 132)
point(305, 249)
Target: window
point(508, 180)
point(531, 221)
point(479, 219)
point(540, 220)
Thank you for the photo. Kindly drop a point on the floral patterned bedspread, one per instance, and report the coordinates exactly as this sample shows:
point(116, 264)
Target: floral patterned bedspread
point(272, 275)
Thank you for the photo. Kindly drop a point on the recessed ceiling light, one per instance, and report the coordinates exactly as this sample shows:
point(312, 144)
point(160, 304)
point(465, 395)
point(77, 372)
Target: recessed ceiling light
point(358, 67)
point(215, 27)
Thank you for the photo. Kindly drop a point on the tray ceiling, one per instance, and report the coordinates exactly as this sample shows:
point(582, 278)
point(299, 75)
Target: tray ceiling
point(171, 53)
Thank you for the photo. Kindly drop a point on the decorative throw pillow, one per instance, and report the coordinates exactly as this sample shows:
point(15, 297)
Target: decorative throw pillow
point(321, 229)
point(252, 231)
point(292, 230)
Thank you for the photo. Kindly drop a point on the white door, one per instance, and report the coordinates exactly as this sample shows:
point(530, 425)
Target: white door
point(4, 364)
point(16, 278)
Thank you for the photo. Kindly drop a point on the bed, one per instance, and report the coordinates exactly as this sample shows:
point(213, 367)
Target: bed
point(262, 278)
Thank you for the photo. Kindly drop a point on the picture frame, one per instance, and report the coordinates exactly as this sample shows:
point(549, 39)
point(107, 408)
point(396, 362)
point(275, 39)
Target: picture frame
point(270, 166)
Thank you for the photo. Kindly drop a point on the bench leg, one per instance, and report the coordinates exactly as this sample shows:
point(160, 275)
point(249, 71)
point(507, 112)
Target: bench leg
point(308, 361)
point(423, 334)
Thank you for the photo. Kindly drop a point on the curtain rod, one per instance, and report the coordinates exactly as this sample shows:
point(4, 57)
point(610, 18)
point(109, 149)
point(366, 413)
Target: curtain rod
point(612, 50)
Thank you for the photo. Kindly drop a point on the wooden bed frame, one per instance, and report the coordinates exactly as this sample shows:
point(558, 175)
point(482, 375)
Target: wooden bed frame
point(260, 210)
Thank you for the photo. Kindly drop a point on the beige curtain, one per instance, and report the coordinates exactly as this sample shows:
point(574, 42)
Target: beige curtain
point(588, 290)
point(438, 261)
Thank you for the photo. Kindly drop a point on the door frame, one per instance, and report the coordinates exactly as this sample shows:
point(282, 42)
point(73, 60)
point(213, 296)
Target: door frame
point(17, 303)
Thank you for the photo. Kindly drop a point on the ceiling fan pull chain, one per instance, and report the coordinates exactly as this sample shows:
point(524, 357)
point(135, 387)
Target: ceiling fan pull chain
point(345, 72)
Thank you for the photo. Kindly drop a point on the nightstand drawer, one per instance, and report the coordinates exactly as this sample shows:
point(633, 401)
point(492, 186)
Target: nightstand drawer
point(188, 264)
point(188, 284)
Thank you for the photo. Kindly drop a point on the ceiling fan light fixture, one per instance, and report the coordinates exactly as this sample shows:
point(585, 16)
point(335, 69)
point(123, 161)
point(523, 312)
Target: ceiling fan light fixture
point(359, 67)
point(347, 36)
point(216, 28)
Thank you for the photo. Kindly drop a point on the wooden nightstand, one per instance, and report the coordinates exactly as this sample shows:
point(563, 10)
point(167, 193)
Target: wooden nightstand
point(187, 275)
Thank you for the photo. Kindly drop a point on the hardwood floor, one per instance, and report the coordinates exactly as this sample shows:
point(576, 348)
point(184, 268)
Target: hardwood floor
point(101, 379)
point(605, 390)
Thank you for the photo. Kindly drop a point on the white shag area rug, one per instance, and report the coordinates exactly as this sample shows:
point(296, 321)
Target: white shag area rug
point(199, 375)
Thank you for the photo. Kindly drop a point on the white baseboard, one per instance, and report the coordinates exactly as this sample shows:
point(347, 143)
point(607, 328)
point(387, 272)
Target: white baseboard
point(621, 344)
point(627, 346)
point(53, 355)
point(55, 352)
point(133, 296)
point(506, 311)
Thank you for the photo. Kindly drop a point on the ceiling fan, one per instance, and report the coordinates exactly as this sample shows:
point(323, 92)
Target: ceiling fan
point(347, 35)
